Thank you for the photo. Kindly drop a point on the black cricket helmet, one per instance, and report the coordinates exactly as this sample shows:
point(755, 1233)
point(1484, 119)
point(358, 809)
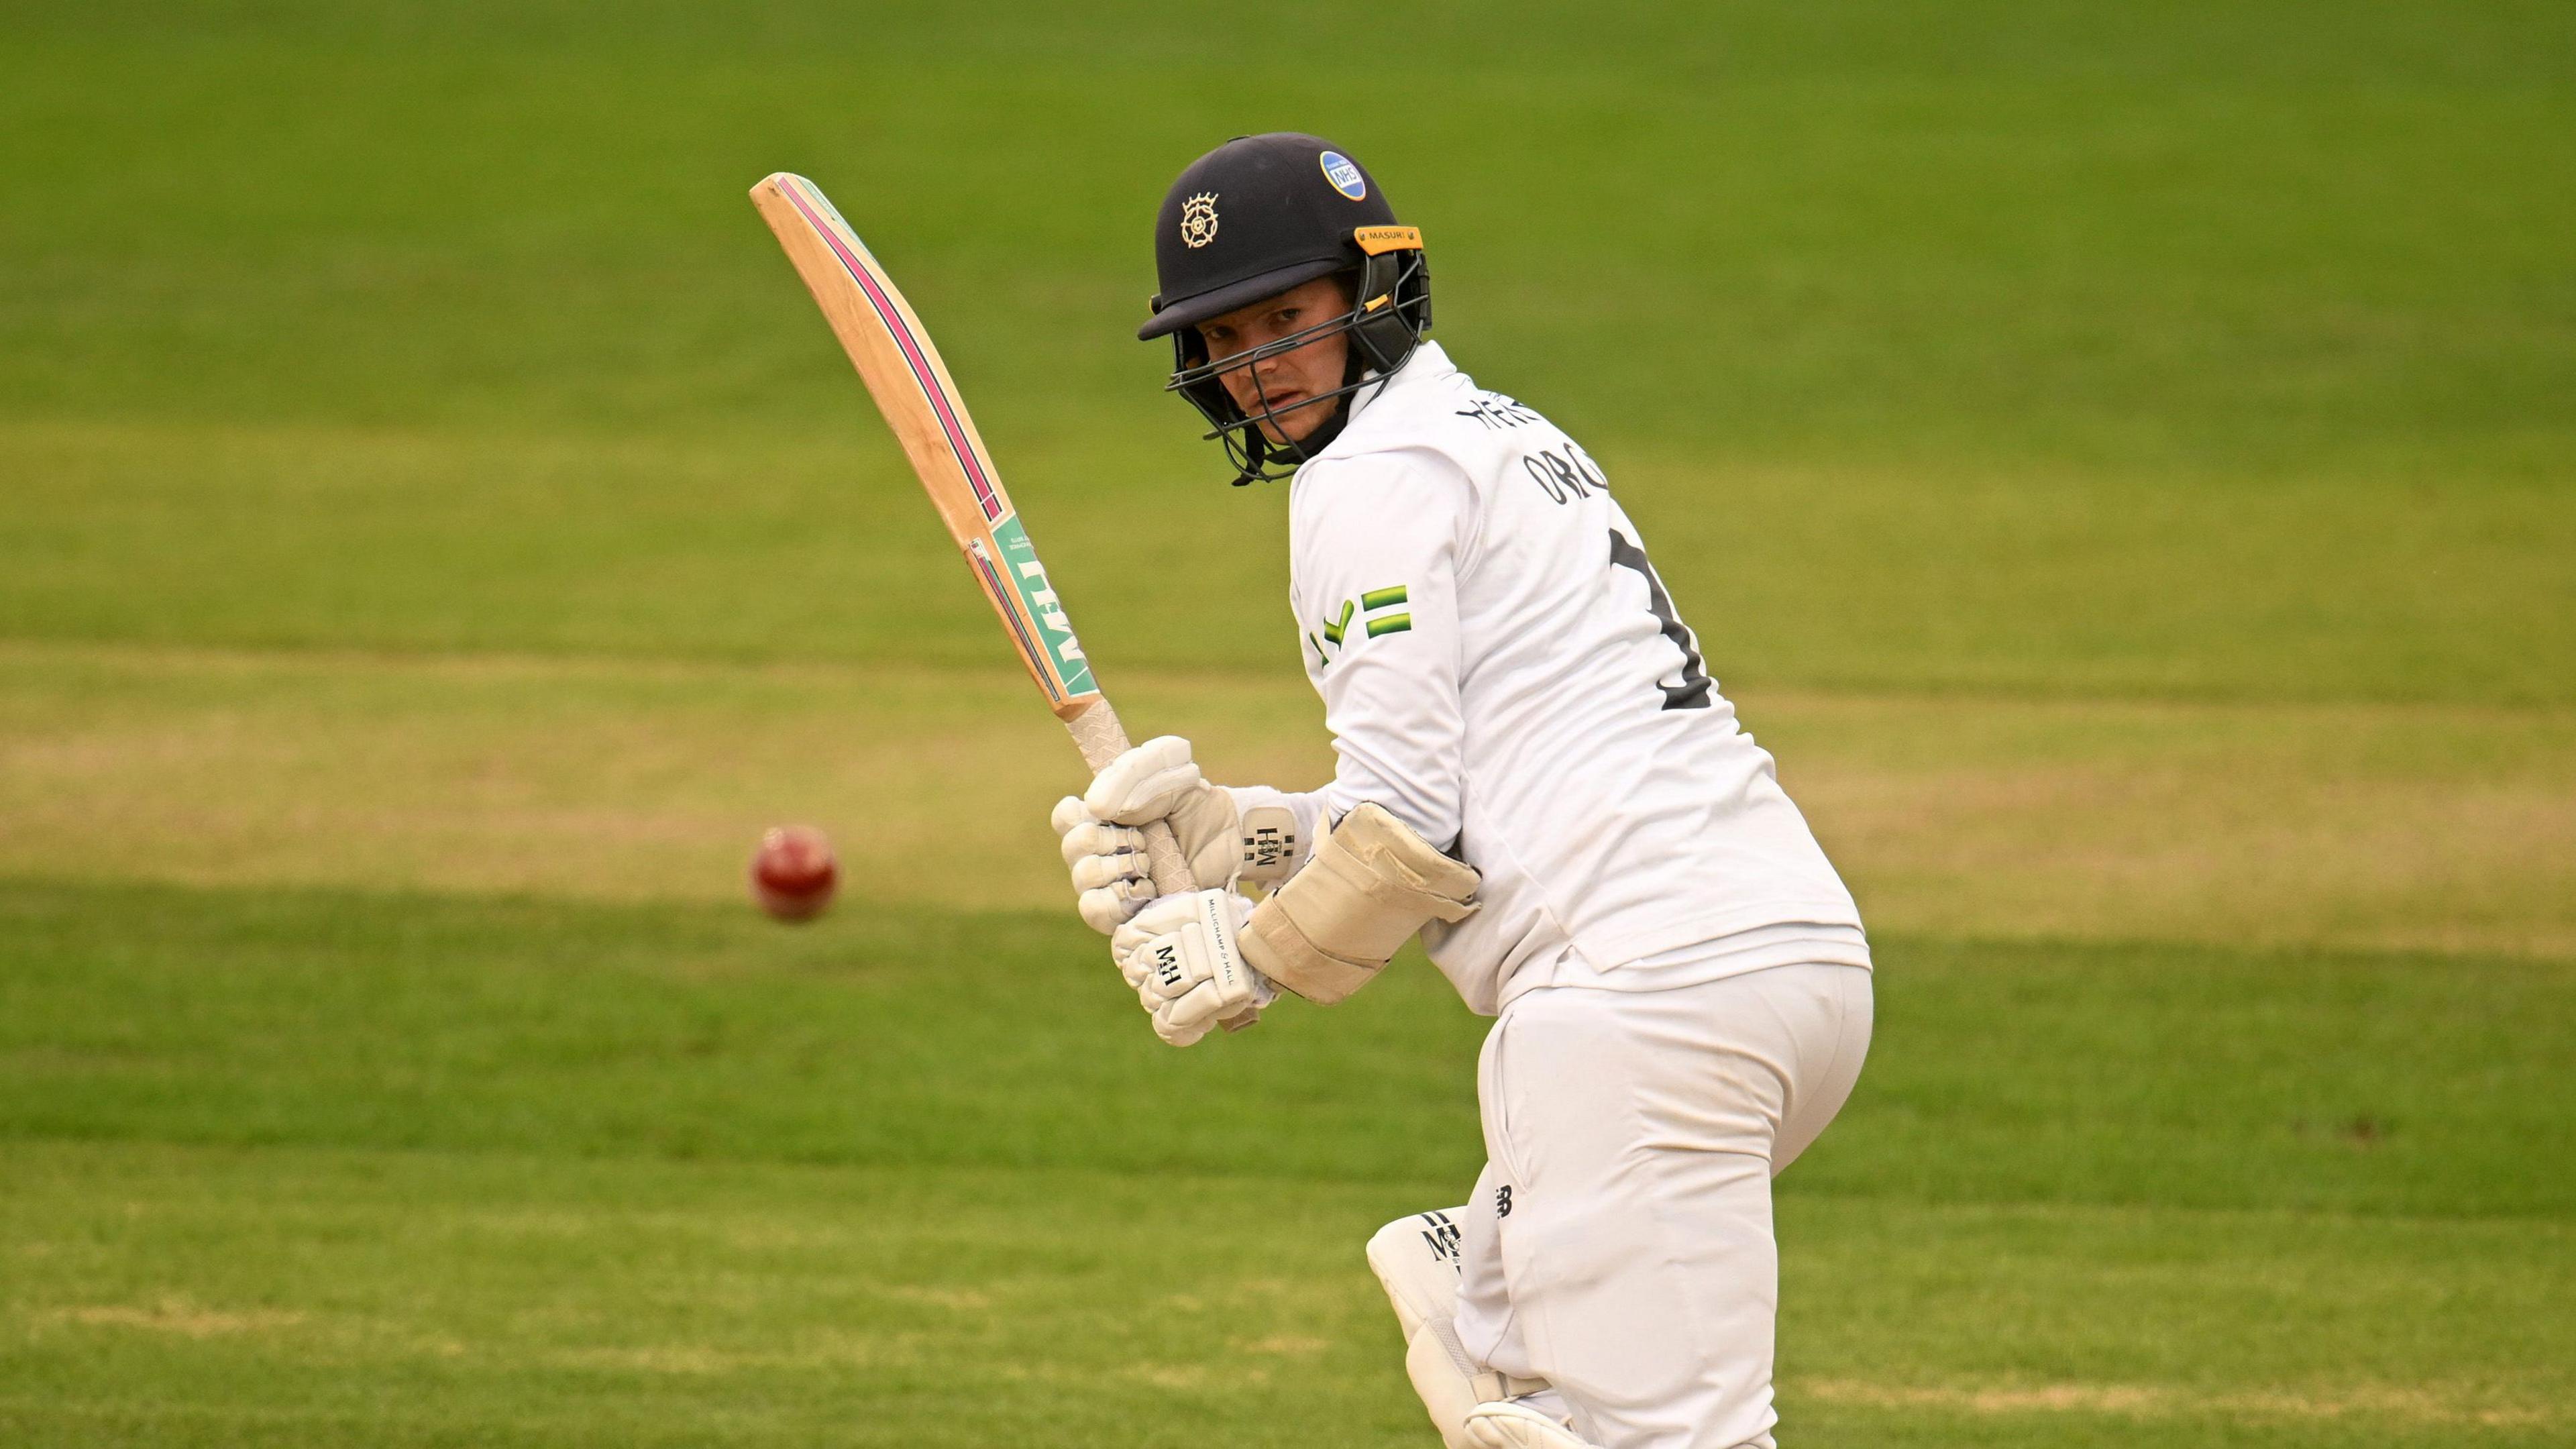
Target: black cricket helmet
point(1252, 219)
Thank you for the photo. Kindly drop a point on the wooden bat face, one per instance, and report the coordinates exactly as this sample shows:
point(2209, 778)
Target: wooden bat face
point(894, 356)
point(904, 374)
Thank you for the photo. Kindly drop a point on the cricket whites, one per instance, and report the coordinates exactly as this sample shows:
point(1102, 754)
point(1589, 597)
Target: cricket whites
point(894, 356)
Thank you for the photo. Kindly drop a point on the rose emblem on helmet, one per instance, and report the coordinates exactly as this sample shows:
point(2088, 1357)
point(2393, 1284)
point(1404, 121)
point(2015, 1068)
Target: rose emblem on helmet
point(1198, 220)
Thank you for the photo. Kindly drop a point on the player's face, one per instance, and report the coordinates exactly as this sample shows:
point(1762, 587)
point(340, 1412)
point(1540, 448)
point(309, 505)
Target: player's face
point(1291, 377)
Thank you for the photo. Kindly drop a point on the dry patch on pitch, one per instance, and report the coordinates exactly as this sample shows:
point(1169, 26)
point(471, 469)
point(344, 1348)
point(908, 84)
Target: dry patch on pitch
point(2445, 827)
point(172, 1314)
point(2416, 826)
point(829, 1351)
point(594, 779)
point(2411, 1404)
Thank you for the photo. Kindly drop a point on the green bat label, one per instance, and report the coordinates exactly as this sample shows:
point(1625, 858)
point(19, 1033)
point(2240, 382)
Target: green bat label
point(1055, 631)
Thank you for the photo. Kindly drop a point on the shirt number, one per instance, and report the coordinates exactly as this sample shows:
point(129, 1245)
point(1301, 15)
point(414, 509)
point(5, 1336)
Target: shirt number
point(1693, 691)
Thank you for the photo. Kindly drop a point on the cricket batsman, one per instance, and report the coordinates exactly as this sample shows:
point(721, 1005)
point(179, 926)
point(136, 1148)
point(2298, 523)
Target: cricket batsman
point(1537, 775)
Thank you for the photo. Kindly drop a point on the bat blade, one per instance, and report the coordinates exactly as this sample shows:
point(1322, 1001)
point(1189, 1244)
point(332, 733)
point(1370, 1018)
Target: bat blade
point(896, 359)
point(902, 370)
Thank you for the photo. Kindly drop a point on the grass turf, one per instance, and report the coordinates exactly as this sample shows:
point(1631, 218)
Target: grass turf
point(2198, 349)
point(2228, 822)
point(2119, 456)
point(419, 1170)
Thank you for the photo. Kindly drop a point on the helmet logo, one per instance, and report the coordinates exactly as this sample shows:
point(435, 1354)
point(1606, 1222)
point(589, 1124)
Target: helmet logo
point(1345, 175)
point(1198, 220)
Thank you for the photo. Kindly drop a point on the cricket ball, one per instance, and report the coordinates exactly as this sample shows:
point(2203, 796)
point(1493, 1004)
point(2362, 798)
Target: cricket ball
point(793, 873)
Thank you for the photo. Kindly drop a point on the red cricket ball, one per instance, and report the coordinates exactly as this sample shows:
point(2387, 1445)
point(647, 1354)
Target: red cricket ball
point(793, 873)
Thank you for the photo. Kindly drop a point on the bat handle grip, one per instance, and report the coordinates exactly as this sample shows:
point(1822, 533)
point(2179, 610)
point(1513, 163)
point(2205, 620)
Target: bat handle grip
point(1101, 738)
point(1163, 860)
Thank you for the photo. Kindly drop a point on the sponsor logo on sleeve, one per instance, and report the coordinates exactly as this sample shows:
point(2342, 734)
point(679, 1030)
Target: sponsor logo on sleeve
point(1374, 613)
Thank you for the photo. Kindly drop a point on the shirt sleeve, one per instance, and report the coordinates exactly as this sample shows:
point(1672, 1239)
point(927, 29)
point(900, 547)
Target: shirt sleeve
point(1379, 543)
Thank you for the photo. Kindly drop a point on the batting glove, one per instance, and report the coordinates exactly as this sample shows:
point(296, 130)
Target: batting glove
point(1110, 880)
point(1225, 839)
point(1180, 955)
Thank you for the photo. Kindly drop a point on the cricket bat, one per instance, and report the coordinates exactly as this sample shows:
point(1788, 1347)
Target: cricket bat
point(902, 370)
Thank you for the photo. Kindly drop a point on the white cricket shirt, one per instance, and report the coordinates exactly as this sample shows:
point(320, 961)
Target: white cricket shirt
point(1502, 669)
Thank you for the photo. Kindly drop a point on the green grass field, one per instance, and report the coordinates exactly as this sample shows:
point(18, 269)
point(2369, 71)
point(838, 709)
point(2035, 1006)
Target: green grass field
point(2120, 458)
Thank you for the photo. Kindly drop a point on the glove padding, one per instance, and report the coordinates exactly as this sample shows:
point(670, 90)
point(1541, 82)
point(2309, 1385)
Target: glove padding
point(1156, 780)
point(1110, 879)
point(1181, 956)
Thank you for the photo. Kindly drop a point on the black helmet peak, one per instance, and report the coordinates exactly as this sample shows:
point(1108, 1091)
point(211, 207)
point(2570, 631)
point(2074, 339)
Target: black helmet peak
point(1252, 219)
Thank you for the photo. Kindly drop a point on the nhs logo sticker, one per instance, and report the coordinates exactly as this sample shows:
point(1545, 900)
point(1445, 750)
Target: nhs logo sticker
point(1345, 175)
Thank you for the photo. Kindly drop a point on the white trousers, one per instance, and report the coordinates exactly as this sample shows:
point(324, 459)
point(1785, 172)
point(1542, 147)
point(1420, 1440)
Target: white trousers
point(1619, 1242)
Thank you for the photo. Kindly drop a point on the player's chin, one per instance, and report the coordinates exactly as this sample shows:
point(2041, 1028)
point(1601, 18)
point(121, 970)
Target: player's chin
point(1291, 420)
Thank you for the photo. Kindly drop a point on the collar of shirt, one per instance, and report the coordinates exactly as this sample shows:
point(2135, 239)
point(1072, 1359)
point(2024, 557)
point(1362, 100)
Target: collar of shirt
point(1426, 366)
